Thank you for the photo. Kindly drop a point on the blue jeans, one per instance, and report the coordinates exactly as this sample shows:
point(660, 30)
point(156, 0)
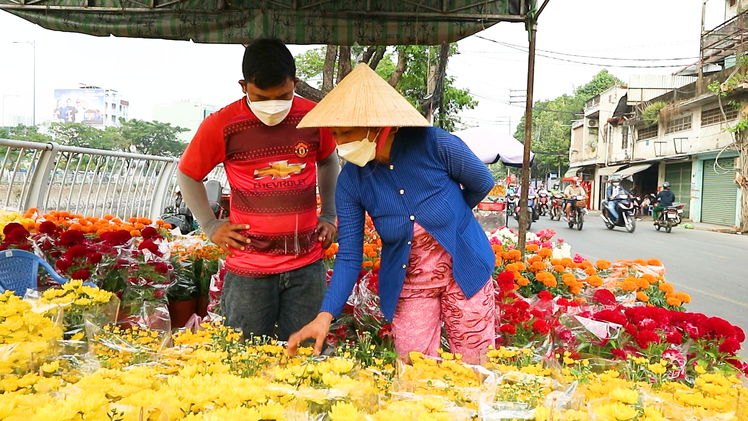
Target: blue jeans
point(289, 300)
point(611, 206)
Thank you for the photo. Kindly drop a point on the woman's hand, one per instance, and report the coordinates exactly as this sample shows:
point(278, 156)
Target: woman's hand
point(316, 329)
point(227, 236)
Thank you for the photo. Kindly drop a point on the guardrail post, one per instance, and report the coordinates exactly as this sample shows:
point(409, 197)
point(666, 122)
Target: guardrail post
point(158, 200)
point(41, 178)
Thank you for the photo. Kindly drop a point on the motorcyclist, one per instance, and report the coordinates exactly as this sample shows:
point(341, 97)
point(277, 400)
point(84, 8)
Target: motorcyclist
point(556, 189)
point(612, 192)
point(664, 199)
point(541, 189)
point(570, 193)
point(530, 202)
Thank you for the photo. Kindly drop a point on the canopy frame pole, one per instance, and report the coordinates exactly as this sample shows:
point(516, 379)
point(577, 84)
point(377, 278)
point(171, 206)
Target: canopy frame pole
point(532, 20)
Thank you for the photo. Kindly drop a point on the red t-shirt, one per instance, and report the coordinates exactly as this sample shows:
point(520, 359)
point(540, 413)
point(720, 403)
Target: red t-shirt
point(272, 172)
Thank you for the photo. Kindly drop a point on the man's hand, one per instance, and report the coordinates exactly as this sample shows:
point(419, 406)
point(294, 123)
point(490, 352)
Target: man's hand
point(317, 329)
point(228, 237)
point(326, 232)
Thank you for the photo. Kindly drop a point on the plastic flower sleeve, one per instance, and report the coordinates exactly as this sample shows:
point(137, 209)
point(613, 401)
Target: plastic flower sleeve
point(116, 347)
point(216, 288)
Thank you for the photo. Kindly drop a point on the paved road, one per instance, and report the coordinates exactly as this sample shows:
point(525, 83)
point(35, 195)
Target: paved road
point(711, 267)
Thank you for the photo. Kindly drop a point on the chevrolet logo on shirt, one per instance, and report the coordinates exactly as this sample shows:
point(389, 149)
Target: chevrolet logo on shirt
point(280, 169)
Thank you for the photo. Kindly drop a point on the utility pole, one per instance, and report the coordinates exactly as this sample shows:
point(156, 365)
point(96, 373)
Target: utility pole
point(531, 23)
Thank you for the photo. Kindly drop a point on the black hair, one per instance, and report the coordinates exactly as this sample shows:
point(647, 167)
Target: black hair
point(268, 63)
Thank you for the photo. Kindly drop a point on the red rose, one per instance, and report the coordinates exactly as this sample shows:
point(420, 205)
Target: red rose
point(63, 265)
point(49, 228)
point(507, 328)
point(150, 246)
point(545, 295)
point(82, 274)
point(541, 326)
point(604, 297)
point(675, 338)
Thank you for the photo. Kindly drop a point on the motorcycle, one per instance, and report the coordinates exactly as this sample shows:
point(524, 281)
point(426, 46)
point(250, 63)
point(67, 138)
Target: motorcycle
point(669, 217)
point(557, 207)
point(513, 205)
point(625, 208)
point(512, 201)
point(180, 216)
point(577, 214)
point(543, 207)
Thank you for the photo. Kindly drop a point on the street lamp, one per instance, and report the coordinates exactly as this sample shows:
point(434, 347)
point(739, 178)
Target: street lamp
point(33, 99)
point(5, 96)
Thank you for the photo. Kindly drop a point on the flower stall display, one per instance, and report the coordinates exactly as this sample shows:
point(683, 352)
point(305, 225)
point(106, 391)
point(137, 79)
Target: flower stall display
point(575, 340)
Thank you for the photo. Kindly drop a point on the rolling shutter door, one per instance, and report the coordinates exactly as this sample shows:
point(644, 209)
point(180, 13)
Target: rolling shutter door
point(679, 177)
point(719, 194)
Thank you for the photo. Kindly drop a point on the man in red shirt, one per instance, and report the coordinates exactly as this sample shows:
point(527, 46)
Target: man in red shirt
point(275, 279)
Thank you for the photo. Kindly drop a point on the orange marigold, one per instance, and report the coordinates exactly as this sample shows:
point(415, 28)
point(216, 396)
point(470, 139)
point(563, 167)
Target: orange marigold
point(649, 278)
point(575, 289)
point(545, 253)
point(674, 302)
point(132, 219)
point(135, 233)
point(590, 271)
point(683, 297)
point(496, 248)
point(602, 264)
point(556, 262)
point(372, 254)
point(568, 278)
point(523, 282)
point(666, 288)
point(537, 267)
point(558, 268)
point(532, 248)
point(567, 262)
point(628, 285)
point(640, 262)
point(654, 262)
point(595, 281)
point(547, 279)
point(367, 264)
point(511, 267)
point(534, 259)
point(641, 296)
point(642, 283)
point(521, 267)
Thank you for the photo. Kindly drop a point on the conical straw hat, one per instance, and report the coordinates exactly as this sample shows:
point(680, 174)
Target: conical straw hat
point(363, 99)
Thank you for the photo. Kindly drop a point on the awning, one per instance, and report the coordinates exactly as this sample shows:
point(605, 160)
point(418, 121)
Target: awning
point(633, 169)
point(492, 144)
point(572, 172)
point(339, 22)
point(609, 170)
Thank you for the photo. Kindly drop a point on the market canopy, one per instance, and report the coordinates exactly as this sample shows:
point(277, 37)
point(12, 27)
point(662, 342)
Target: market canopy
point(339, 22)
point(492, 144)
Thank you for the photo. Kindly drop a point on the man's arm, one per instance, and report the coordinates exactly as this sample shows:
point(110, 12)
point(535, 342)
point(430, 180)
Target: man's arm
point(196, 197)
point(327, 175)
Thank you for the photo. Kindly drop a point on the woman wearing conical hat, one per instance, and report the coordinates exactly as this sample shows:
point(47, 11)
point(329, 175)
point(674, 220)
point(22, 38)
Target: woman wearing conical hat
point(419, 185)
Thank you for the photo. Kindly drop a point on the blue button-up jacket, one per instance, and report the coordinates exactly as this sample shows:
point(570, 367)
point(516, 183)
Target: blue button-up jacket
point(434, 179)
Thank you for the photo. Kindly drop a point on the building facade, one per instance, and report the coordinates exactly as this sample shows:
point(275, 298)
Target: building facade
point(187, 114)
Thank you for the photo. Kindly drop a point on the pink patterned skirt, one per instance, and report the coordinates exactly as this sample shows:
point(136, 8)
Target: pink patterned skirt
point(431, 296)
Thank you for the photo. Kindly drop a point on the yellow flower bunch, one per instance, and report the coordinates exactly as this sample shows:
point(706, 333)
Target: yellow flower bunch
point(449, 378)
point(26, 337)
point(7, 217)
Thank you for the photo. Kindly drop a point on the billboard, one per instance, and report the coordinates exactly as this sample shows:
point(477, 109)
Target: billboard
point(79, 106)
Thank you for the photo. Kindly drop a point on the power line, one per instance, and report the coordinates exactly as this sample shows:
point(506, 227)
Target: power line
point(586, 63)
point(506, 44)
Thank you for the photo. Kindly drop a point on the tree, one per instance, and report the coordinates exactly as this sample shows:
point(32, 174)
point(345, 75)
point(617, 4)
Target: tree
point(152, 138)
point(86, 136)
point(552, 123)
point(412, 70)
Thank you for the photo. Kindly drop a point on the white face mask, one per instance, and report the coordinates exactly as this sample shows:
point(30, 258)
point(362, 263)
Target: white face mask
point(359, 152)
point(270, 112)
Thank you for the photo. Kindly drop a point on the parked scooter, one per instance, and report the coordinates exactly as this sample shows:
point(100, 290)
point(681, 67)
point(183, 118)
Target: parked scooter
point(577, 213)
point(670, 217)
point(557, 207)
point(180, 216)
point(625, 207)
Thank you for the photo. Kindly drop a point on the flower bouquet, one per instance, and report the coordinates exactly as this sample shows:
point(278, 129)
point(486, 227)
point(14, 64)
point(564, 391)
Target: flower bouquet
point(80, 303)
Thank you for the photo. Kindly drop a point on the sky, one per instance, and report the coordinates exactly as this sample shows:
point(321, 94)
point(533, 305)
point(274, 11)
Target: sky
point(147, 72)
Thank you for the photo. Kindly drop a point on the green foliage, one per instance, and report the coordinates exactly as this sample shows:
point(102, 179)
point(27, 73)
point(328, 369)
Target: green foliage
point(552, 128)
point(152, 138)
point(86, 136)
point(651, 113)
point(26, 133)
point(413, 84)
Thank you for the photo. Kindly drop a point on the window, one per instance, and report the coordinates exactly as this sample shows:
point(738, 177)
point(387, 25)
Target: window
point(648, 132)
point(678, 124)
point(714, 115)
point(624, 137)
point(114, 119)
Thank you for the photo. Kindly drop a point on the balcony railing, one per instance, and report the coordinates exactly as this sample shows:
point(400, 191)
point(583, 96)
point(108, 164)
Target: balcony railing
point(725, 40)
point(84, 181)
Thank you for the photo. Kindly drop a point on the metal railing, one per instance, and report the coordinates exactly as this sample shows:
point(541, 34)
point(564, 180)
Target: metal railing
point(89, 182)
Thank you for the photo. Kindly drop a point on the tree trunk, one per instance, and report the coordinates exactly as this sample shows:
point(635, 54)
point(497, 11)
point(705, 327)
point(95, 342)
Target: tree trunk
point(441, 74)
point(328, 71)
point(367, 54)
point(309, 92)
point(344, 62)
point(378, 56)
point(400, 68)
